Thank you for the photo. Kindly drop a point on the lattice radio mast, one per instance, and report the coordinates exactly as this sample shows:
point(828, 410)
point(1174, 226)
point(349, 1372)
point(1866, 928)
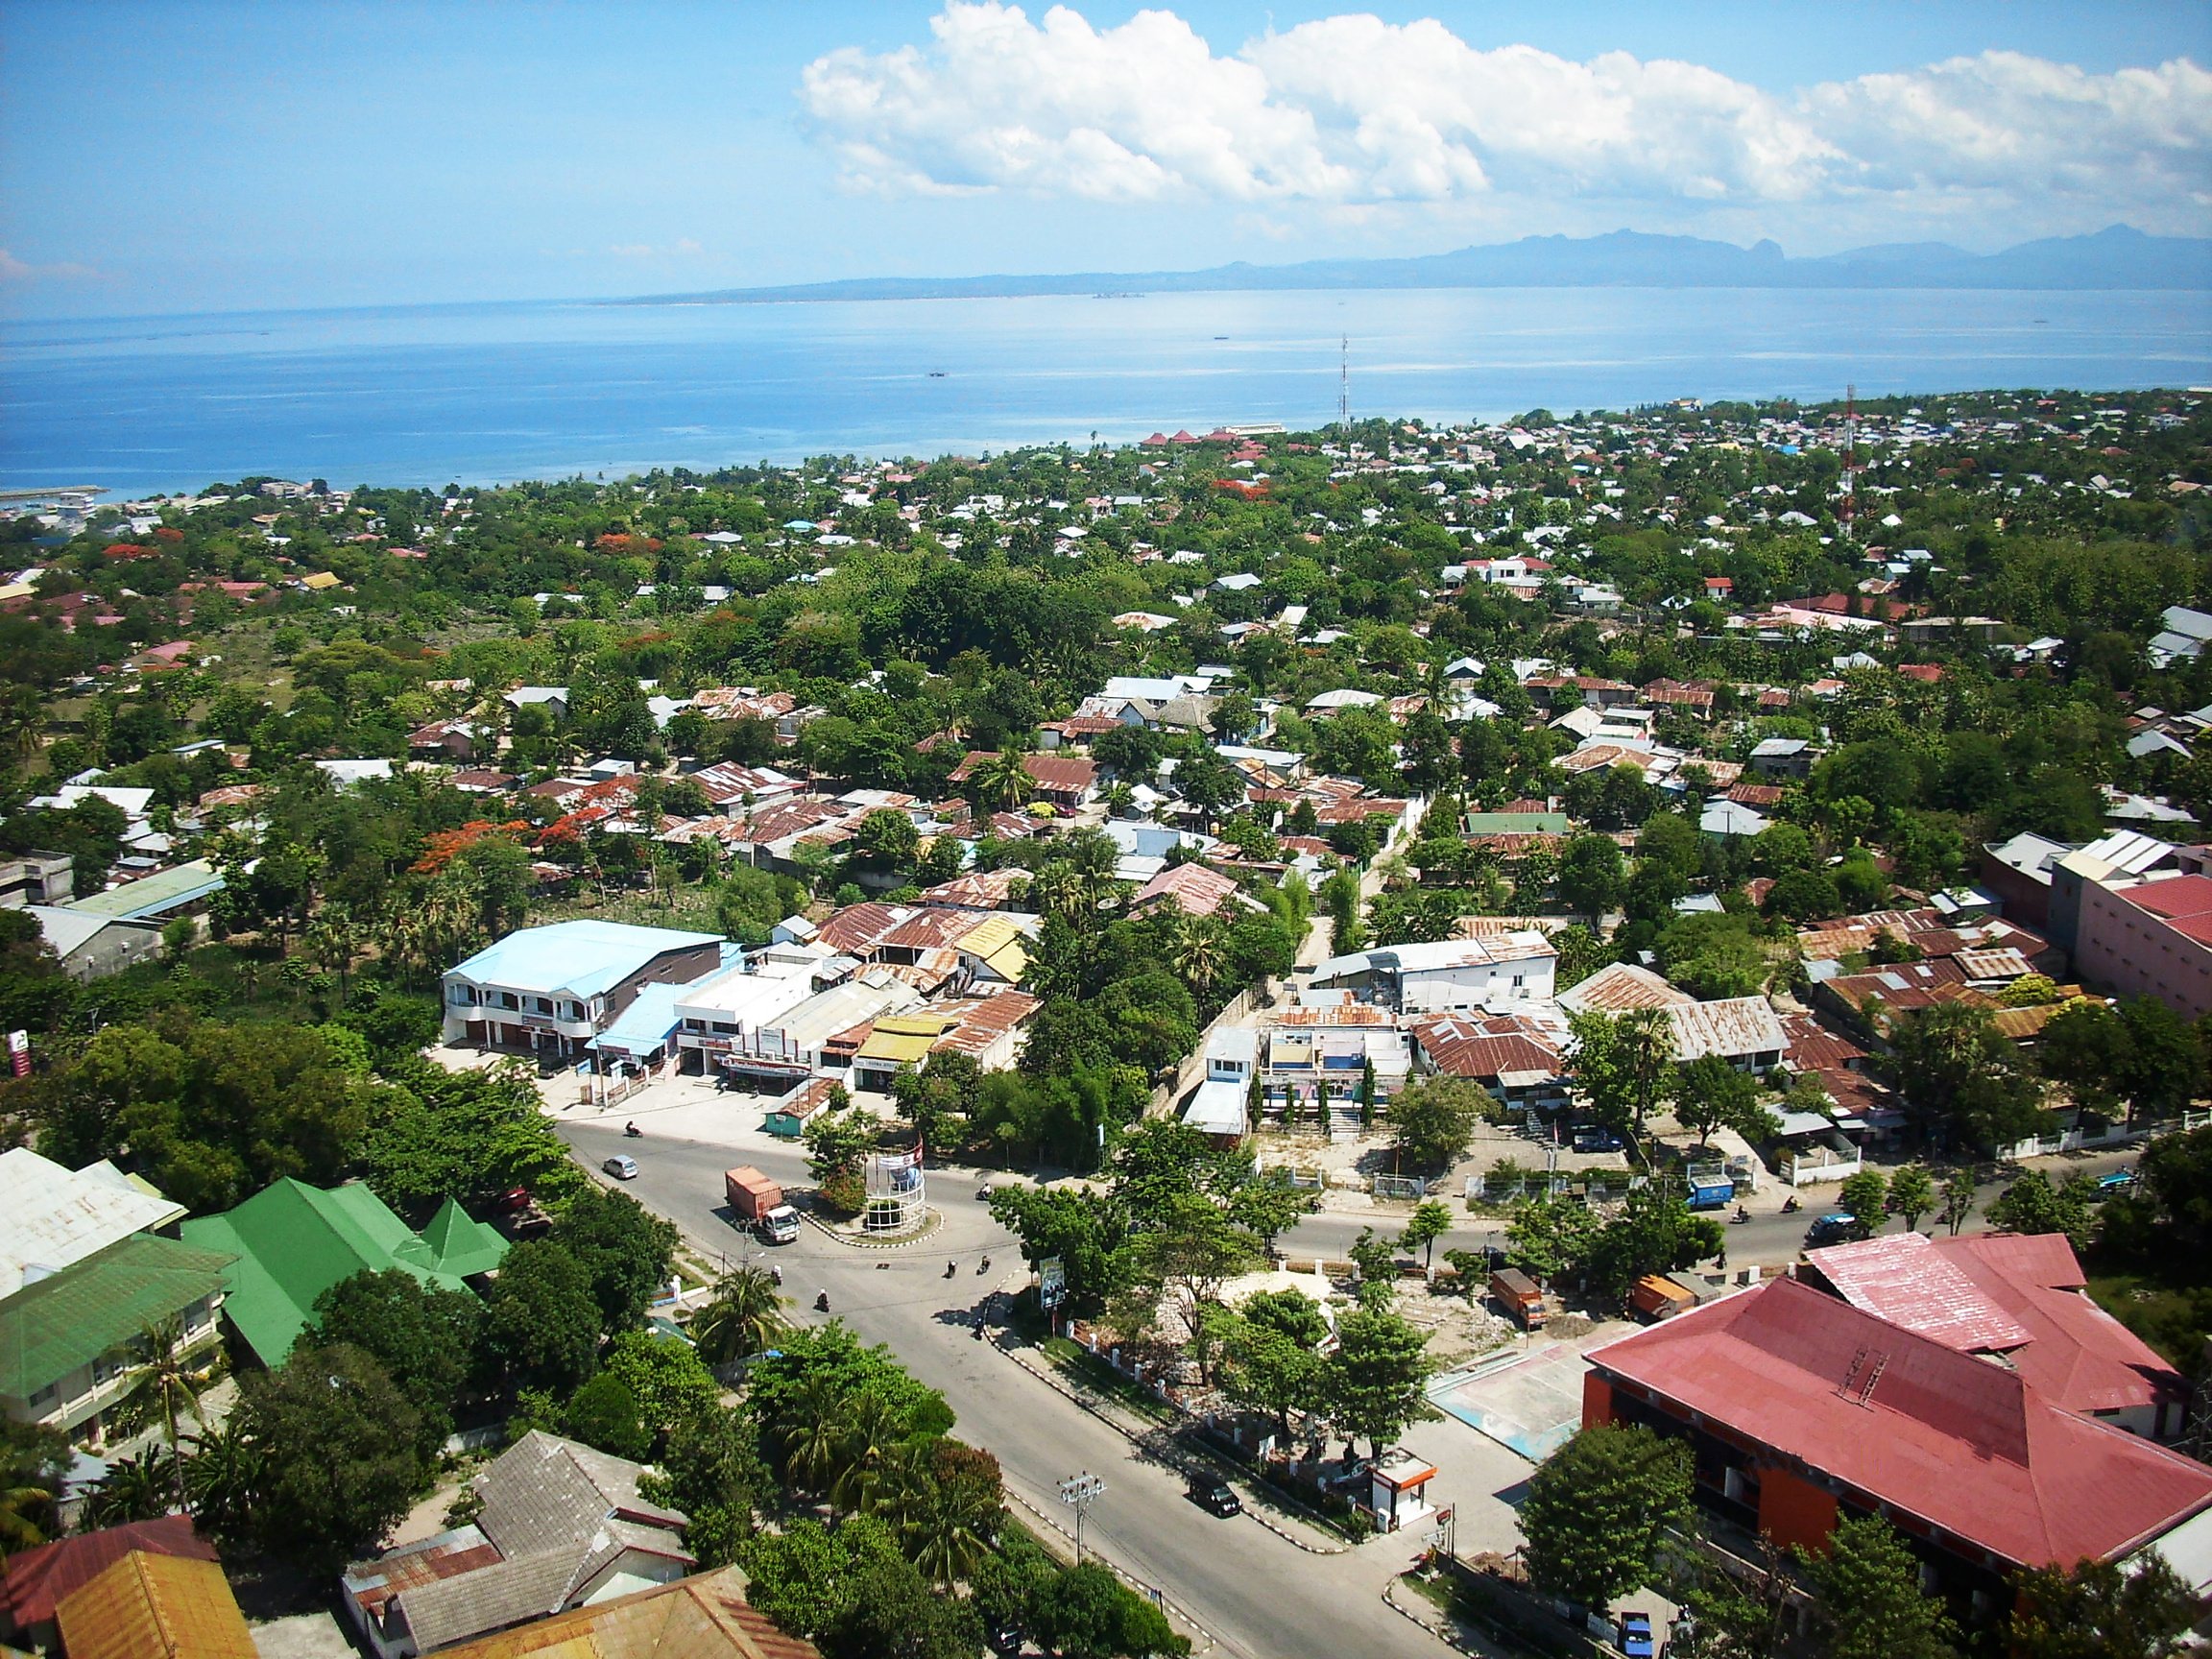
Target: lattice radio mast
point(1850, 459)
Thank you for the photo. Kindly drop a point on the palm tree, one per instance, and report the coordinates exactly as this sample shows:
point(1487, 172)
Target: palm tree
point(136, 1489)
point(166, 1383)
point(22, 725)
point(22, 1508)
point(945, 1526)
point(333, 942)
point(745, 1316)
point(1198, 951)
point(816, 1435)
point(1001, 779)
point(866, 1454)
point(222, 1480)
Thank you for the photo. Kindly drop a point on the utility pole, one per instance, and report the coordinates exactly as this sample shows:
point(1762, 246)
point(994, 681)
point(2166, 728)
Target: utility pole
point(1079, 1492)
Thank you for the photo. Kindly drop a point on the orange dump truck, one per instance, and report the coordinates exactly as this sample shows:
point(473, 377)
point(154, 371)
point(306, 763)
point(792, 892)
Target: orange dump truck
point(1658, 1297)
point(1516, 1293)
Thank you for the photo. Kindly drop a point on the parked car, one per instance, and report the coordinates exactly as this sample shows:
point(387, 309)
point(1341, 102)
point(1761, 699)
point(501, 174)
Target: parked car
point(1215, 1497)
point(1832, 1228)
point(2119, 1181)
point(1596, 1138)
point(1636, 1635)
point(622, 1167)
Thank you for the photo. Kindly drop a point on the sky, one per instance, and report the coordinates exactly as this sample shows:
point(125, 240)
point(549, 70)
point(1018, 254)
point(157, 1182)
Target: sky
point(296, 154)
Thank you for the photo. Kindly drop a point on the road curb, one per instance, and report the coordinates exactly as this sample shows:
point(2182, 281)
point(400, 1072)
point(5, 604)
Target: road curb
point(906, 1242)
point(1457, 1643)
point(1053, 1383)
point(1151, 1592)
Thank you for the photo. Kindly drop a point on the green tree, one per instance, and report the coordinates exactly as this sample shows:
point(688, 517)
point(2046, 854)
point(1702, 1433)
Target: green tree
point(1958, 1192)
point(1911, 1194)
point(1432, 1120)
point(2032, 1204)
point(541, 1322)
point(2101, 1610)
point(603, 1414)
point(1592, 877)
point(1550, 1238)
point(1624, 1065)
point(1866, 1194)
point(626, 1251)
point(470, 1135)
point(1373, 1381)
point(1713, 1095)
point(1429, 1222)
point(1961, 1078)
point(424, 1336)
point(665, 1376)
point(1269, 1370)
point(1086, 1613)
point(337, 1445)
point(744, 1316)
point(1869, 1599)
point(1654, 1232)
point(1598, 1508)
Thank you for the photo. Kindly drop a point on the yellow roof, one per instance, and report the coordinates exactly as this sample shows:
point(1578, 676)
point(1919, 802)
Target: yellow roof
point(320, 580)
point(155, 1607)
point(904, 1038)
point(1001, 945)
point(17, 591)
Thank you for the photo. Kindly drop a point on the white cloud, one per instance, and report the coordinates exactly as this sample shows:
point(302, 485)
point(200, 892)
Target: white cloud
point(15, 270)
point(1351, 111)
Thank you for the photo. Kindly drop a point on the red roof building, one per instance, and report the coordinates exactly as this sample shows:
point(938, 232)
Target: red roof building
point(1804, 1409)
point(38, 1579)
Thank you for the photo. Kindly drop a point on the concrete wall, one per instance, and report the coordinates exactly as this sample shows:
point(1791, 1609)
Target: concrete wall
point(2122, 947)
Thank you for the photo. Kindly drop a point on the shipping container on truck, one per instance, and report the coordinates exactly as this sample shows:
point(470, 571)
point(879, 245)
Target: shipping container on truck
point(1517, 1294)
point(1711, 1191)
point(751, 1194)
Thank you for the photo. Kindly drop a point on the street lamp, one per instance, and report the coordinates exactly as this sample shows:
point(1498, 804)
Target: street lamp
point(1079, 1492)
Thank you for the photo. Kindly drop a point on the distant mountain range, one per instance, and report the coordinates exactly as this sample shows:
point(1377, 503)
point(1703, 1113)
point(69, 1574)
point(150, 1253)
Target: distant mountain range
point(2117, 257)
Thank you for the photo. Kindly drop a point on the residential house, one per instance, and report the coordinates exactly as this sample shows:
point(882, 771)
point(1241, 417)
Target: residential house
point(40, 1577)
point(290, 1242)
point(1518, 1061)
point(1196, 891)
point(1493, 972)
point(148, 1604)
point(1741, 1030)
point(703, 1616)
point(560, 1526)
point(449, 739)
point(1622, 988)
point(37, 878)
point(1782, 758)
point(556, 987)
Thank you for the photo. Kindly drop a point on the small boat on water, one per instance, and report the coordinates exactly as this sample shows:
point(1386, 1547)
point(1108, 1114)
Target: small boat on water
point(936, 374)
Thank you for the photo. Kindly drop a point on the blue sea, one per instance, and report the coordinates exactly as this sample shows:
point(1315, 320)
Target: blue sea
point(487, 393)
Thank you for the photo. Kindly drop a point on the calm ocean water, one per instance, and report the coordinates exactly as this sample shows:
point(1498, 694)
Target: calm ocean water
point(422, 394)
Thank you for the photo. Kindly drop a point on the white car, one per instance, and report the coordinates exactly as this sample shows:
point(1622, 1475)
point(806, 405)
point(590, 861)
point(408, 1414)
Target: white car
point(622, 1167)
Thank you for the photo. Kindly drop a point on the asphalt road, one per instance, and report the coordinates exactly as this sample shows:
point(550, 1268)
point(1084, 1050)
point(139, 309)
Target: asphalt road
point(1251, 1591)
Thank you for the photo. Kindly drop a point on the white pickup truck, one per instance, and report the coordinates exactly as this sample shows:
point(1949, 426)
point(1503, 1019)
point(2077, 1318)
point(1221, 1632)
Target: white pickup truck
point(781, 1225)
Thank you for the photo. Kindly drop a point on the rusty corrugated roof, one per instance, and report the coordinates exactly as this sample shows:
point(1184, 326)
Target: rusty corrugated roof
point(147, 1606)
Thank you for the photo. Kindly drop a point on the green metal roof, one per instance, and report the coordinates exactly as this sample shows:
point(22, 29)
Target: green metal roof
point(151, 895)
point(455, 1244)
point(1516, 824)
point(292, 1242)
point(91, 1308)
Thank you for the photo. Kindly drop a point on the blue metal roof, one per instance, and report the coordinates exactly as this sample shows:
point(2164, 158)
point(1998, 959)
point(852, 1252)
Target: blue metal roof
point(646, 1023)
point(584, 957)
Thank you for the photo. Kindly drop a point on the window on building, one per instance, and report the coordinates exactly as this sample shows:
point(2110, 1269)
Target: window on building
point(727, 1027)
point(47, 1395)
point(544, 1004)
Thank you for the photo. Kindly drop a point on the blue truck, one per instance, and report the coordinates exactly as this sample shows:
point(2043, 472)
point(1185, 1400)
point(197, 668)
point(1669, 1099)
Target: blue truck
point(1710, 1190)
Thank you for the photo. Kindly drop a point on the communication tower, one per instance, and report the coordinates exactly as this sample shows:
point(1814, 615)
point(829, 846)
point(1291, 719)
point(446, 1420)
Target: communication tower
point(1850, 511)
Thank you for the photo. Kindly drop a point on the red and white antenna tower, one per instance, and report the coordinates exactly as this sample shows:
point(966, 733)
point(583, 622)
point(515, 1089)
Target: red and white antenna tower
point(1850, 458)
